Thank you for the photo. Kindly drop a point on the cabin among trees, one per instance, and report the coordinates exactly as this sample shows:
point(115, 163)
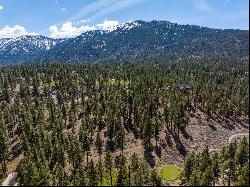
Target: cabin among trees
point(183, 87)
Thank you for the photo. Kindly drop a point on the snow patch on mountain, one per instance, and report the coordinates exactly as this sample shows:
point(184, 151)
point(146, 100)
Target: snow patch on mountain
point(122, 26)
point(27, 44)
point(128, 26)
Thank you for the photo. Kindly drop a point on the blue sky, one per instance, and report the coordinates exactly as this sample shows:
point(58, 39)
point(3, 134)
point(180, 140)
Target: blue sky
point(65, 18)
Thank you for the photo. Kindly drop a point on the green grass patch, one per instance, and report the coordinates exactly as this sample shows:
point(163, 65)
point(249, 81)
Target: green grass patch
point(112, 82)
point(97, 83)
point(51, 84)
point(170, 172)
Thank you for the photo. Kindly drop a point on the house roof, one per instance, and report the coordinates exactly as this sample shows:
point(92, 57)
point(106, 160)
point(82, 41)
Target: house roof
point(183, 86)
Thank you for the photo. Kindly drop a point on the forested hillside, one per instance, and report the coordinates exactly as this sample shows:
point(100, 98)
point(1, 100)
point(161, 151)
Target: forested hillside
point(144, 40)
point(119, 123)
point(139, 40)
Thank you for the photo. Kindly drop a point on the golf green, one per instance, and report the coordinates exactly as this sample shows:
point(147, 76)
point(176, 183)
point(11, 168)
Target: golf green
point(170, 172)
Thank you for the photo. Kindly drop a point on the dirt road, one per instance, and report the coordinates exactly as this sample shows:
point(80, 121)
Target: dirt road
point(230, 140)
point(10, 180)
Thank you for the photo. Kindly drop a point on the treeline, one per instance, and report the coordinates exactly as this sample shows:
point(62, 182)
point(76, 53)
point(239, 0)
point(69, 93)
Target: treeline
point(229, 167)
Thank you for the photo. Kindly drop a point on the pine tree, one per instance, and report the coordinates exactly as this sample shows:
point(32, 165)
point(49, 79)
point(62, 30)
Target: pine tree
point(98, 145)
point(229, 170)
point(120, 139)
point(64, 113)
point(92, 174)
point(4, 149)
point(134, 162)
point(80, 177)
point(133, 169)
point(147, 132)
point(100, 172)
point(166, 115)
point(243, 178)
point(110, 130)
point(194, 179)
point(215, 168)
point(207, 177)
point(109, 165)
point(157, 129)
point(205, 160)
point(156, 180)
point(121, 179)
point(188, 167)
point(85, 142)
point(27, 172)
point(242, 154)
point(44, 176)
point(61, 176)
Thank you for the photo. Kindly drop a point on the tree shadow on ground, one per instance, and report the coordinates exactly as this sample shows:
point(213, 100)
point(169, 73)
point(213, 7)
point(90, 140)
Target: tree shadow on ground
point(117, 160)
point(16, 151)
point(184, 133)
point(179, 146)
point(228, 126)
point(158, 151)
point(240, 122)
point(212, 126)
point(81, 115)
point(110, 145)
point(133, 129)
point(168, 139)
point(163, 144)
point(13, 140)
point(149, 157)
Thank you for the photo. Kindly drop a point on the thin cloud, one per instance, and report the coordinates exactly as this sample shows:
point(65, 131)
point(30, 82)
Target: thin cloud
point(90, 8)
point(99, 8)
point(1, 7)
point(63, 9)
point(202, 5)
point(116, 7)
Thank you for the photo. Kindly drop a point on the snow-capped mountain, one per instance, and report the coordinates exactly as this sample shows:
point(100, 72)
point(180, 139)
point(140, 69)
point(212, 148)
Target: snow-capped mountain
point(24, 47)
point(123, 26)
point(136, 40)
point(141, 40)
point(4, 41)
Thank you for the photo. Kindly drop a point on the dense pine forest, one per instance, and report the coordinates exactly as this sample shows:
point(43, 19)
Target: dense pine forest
point(113, 123)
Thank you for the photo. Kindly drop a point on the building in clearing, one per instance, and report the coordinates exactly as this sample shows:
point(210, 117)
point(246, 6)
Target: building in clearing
point(183, 87)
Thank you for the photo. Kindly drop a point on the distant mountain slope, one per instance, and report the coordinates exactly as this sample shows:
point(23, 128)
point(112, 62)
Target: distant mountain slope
point(141, 40)
point(24, 48)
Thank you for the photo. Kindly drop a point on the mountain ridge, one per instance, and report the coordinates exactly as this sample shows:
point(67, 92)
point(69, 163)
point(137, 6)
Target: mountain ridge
point(136, 40)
